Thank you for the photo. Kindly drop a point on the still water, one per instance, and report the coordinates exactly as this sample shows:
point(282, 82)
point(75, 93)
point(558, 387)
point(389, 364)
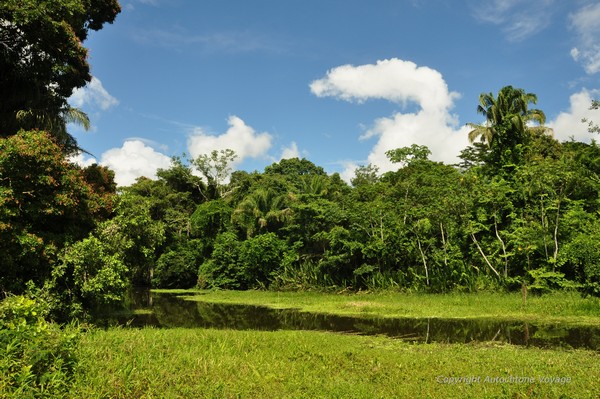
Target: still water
point(168, 310)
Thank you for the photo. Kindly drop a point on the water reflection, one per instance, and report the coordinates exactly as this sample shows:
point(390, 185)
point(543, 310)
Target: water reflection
point(167, 310)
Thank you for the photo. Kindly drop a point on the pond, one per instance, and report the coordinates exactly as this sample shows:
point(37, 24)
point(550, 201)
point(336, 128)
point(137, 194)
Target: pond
point(168, 310)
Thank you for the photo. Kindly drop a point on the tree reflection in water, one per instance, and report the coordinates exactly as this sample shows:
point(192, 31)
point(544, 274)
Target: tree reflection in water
point(168, 311)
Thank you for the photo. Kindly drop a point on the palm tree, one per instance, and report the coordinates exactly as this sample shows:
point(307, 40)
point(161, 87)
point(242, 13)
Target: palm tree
point(262, 210)
point(55, 124)
point(507, 117)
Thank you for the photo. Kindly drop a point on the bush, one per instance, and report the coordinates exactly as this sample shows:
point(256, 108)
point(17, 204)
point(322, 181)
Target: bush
point(178, 267)
point(260, 259)
point(580, 260)
point(89, 281)
point(37, 358)
point(222, 270)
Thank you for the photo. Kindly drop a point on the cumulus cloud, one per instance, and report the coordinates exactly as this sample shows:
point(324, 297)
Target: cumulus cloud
point(134, 159)
point(586, 23)
point(394, 80)
point(290, 152)
point(518, 19)
point(568, 124)
point(400, 82)
point(93, 94)
point(82, 161)
point(239, 137)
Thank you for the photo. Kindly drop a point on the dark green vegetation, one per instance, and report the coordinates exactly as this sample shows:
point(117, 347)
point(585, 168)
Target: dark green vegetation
point(520, 212)
point(42, 60)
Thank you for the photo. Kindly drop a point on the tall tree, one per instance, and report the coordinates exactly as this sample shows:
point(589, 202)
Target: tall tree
point(42, 60)
point(506, 128)
point(216, 169)
point(45, 203)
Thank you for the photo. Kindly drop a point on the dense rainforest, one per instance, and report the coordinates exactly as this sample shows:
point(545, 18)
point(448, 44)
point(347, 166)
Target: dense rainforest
point(519, 211)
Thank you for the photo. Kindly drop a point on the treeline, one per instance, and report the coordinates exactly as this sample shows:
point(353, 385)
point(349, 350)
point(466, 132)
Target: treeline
point(520, 210)
point(427, 226)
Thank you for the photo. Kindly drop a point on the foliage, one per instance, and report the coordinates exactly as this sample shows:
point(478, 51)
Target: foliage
point(260, 260)
point(43, 60)
point(521, 209)
point(221, 270)
point(91, 278)
point(593, 128)
point(211, 218)
point(37, 357)
point(215, 168)
point(46, 203)
point(178, 267)
point(135, 235)
point(365, 174)
point(294, 167)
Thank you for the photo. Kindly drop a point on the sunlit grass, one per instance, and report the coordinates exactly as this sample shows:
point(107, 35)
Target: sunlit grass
point(205, 363)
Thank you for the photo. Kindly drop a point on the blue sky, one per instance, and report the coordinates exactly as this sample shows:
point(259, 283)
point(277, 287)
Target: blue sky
point(338, 81)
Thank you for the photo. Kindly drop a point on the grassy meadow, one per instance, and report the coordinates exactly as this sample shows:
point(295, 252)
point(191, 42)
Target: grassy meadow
point(211, 363)
point(207, 363)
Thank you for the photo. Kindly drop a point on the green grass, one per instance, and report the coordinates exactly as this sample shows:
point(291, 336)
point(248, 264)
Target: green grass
point(206, 363)
point(563, 307)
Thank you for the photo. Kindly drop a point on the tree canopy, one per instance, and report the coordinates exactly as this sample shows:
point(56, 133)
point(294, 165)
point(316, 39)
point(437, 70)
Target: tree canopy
point(43, 60)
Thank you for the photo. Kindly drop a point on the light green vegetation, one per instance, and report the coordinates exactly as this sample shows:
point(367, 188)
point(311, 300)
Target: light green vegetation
point(186, 363)
point(565, 307)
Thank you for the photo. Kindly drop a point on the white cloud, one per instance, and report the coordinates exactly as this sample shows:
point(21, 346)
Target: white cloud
point(290, 152)
point(401, 82)
point(394, 80)
point(239, 137)
point(134, 159)
point(586, 23)
point(349, 170)
point(518, 19)
point(82, 161)
point(568, 124)
point(93, 94)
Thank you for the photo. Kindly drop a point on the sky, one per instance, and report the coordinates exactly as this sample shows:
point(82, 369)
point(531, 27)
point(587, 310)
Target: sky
point(338, 82)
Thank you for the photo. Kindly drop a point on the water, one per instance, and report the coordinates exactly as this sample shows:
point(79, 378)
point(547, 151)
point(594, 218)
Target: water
point(168, 310)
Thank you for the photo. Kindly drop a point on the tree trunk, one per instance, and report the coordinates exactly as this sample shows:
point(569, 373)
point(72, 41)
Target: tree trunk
point(424, 260)
point(544, 227)
point(503, 247)
point(444, 244)
point(556, 235)
point(483, 254)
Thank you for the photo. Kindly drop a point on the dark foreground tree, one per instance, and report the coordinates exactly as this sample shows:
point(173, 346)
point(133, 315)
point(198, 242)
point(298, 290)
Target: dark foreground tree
point(45, 203)
point(42, 60)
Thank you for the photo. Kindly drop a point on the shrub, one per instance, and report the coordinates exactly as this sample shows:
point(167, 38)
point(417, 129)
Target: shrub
point(37, 357)
point(260, 259)
point(178, 267)
point(222, 270)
